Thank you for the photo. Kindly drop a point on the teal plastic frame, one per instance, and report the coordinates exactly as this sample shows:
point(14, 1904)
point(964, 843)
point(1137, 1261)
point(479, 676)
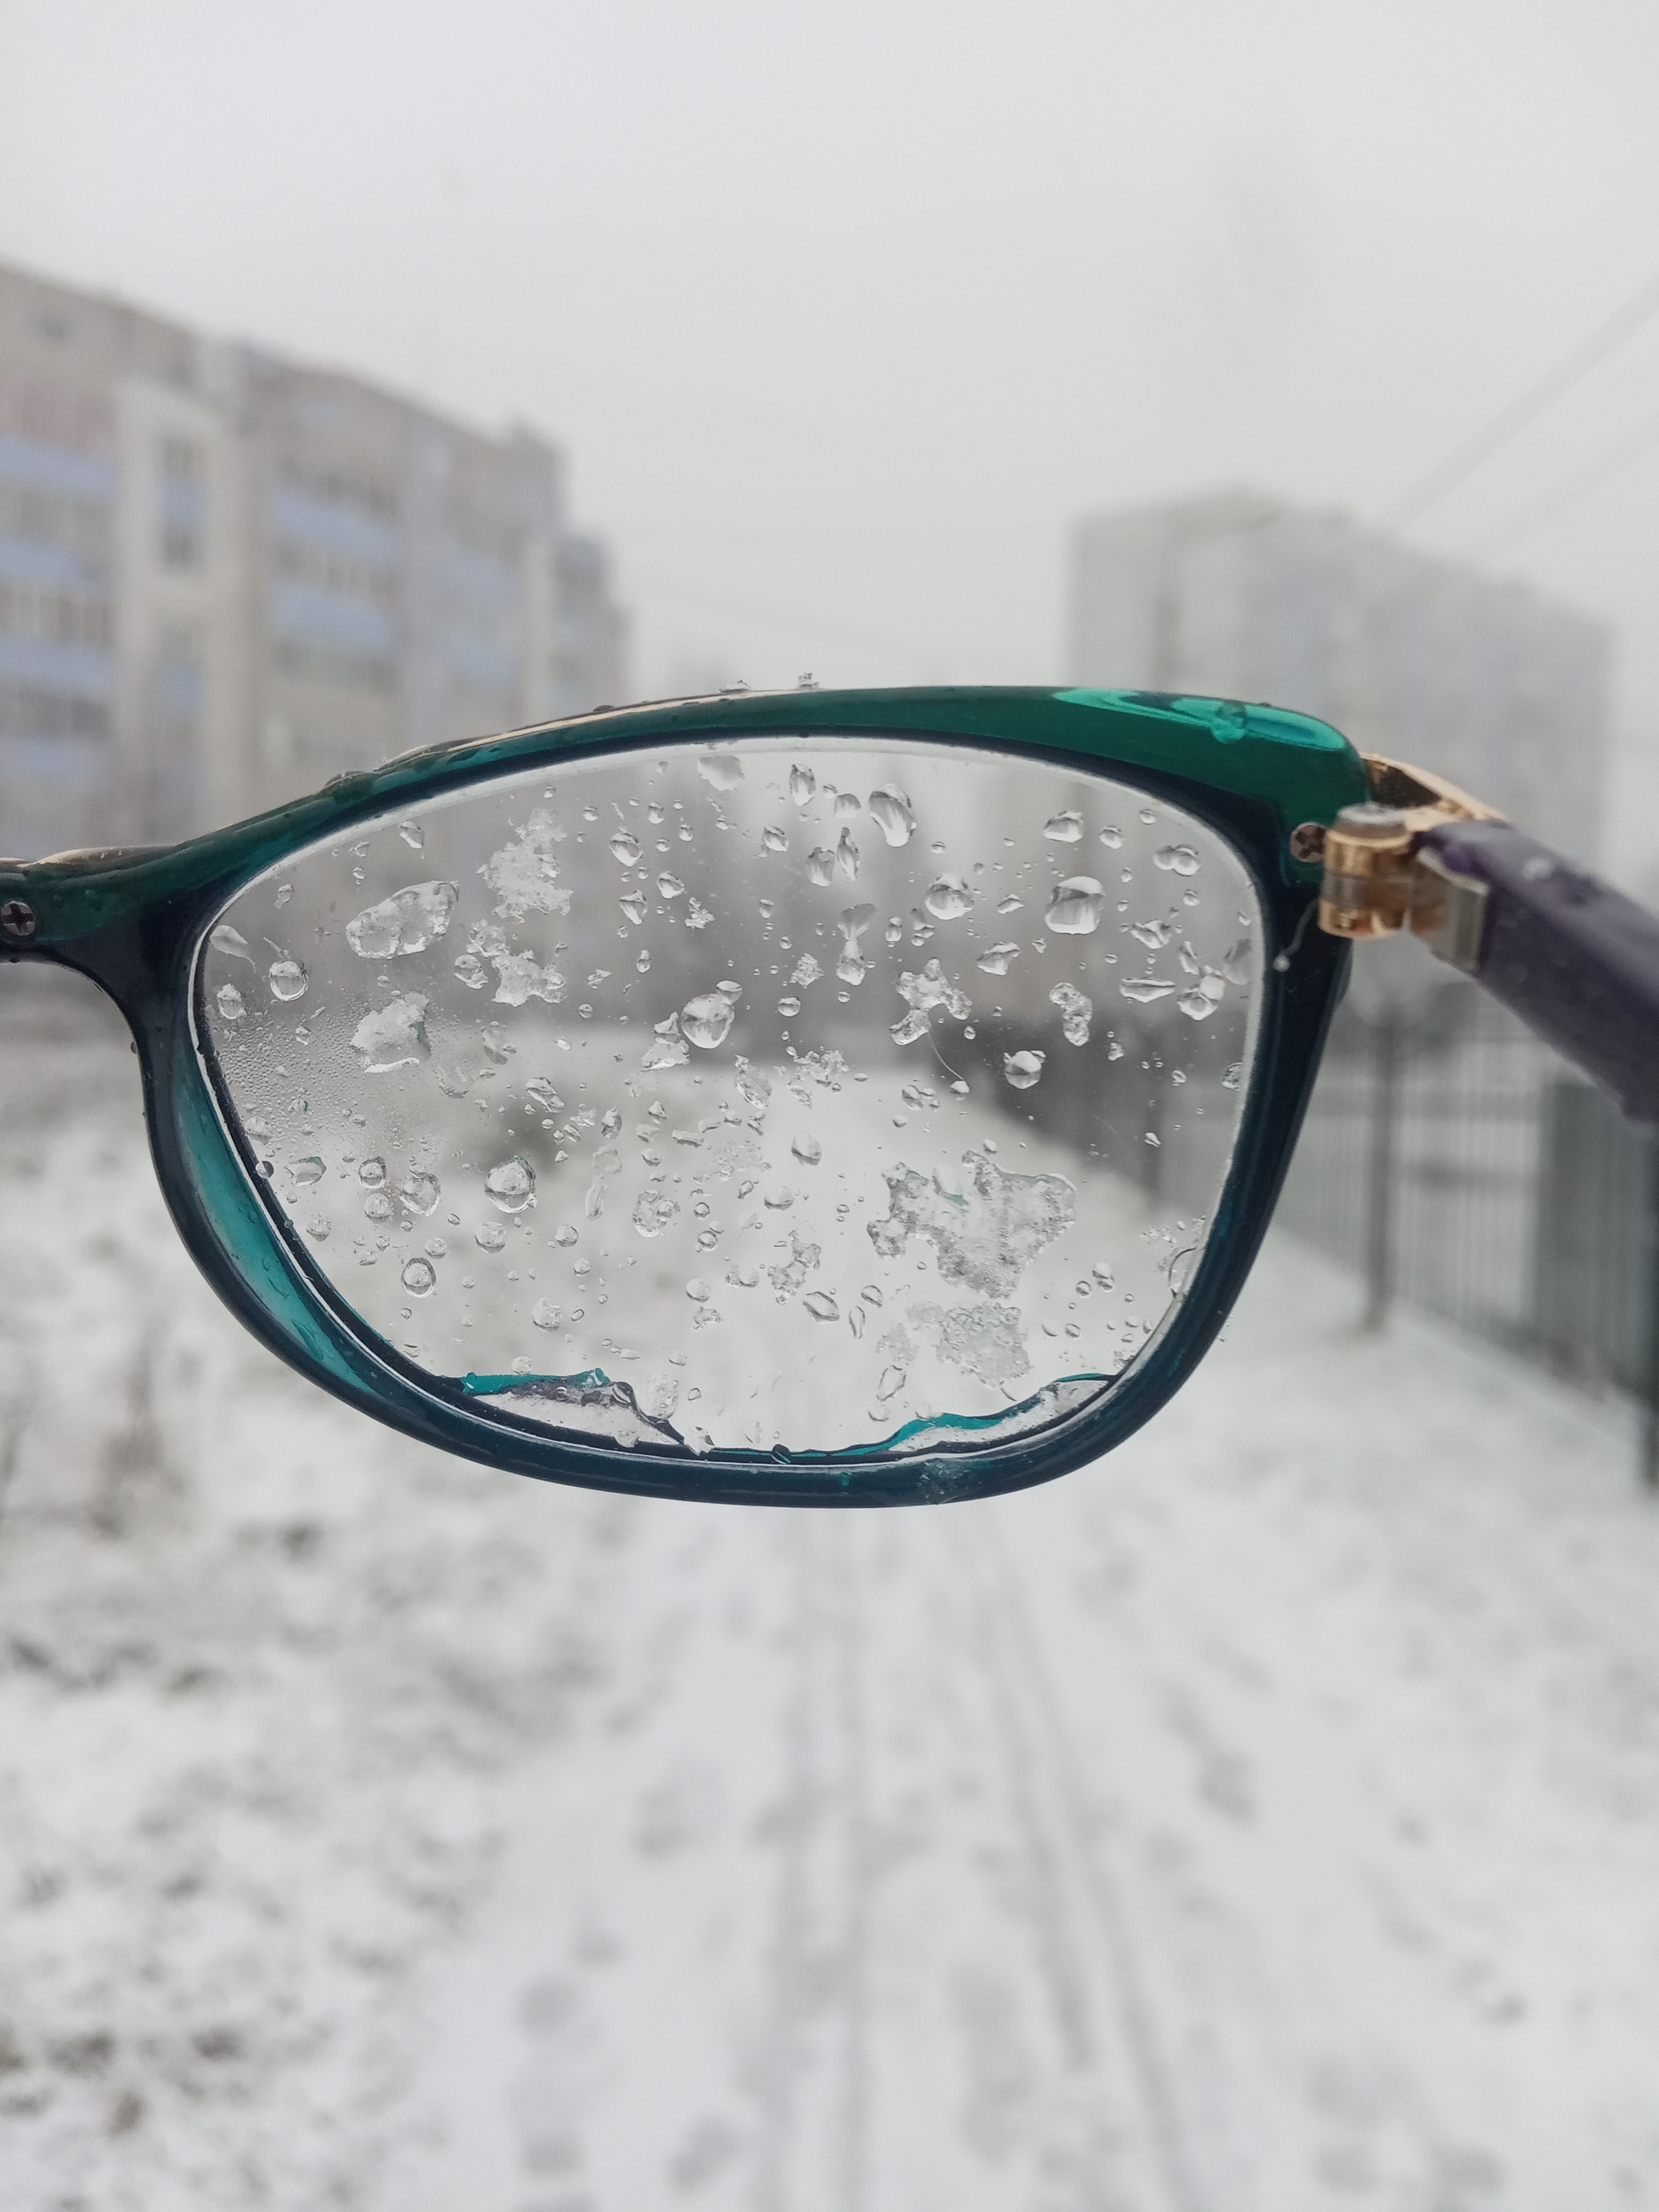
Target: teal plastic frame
point(133, 922)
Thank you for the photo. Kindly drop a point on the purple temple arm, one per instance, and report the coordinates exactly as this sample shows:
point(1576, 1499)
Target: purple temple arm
point(1576, 960)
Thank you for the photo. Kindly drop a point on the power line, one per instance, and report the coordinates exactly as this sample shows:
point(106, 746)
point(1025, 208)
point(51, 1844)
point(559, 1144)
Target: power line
point(1571, 488)
point(1492, 437)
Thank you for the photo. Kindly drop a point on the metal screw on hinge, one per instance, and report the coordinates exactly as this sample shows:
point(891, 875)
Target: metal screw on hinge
point(1308, 841)
point(17, 920)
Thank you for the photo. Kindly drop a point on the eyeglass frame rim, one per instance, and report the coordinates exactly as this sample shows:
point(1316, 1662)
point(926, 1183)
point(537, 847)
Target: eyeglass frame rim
point(1280, 770)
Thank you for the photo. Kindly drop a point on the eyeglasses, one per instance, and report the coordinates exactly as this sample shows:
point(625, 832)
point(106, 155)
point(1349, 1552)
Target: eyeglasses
point(807, 1098)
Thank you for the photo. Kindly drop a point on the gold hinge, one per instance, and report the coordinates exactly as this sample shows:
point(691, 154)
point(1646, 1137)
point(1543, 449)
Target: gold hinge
point(1376, 880)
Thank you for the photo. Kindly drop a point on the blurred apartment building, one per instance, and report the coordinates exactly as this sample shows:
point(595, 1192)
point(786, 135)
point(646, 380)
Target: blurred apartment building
point(225, 576)
point(1425, 660)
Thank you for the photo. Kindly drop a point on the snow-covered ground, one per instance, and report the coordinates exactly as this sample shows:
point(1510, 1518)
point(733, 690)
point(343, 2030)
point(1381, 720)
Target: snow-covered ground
point(1266, 1818)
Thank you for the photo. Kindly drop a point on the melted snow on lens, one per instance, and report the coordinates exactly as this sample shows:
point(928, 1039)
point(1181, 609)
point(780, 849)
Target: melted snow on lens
point(1075, 907)
point(408, 922)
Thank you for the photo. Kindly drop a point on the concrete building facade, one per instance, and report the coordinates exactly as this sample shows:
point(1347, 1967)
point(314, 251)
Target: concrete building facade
point(1240, 596)
point(224, 577)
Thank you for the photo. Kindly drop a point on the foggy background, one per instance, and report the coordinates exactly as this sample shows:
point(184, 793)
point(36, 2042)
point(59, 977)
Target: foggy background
point(1252, 1820)
point(845, 314)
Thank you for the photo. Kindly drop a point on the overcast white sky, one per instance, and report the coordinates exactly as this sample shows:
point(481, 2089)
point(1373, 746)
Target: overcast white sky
point(845, 312)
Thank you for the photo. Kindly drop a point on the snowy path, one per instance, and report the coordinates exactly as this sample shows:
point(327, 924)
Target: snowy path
point(1265, 1819)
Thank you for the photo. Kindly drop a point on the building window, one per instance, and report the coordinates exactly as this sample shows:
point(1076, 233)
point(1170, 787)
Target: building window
point(30, 710)
point(183, 504)
point(80, 527)
point(53, 617)
point(176, 688)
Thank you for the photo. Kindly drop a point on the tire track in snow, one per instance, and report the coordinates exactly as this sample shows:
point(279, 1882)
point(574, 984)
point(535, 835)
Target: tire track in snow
point(1079, 1908)
point(815, 2144)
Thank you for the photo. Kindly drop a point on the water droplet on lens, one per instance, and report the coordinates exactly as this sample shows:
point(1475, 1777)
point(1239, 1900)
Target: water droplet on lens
point(626, 847)
point(1111, 837)
point(1104, 1275)
point(231, 942)
point(891, 812)
point(949, 899)
point(512, 1185)
point(419, 1276)
point(1143, 990)
point(821, 1306)
point(774, 841)
point(1234, 1076)
point(1154, 935)
point(288, 978)
point(807, 1149)
point(995, 959)
point(1076, 1012)
point(318, 1227)
point(564, 1235)
point(1147, 815)
point(1075, 907)
point(545, 1314)
point(1065, 828)
point(1201, 1001)
point(698, 1290)
point(1178, 860)
point(706, 1020)
point(373, 1172)
point(284, 893)
point(669, 887)
point(490, 1237)
point(412, 834)
point(308, 1171)
point(419, 1191)
point(846, 854)
point(802, 784)
point(654, 1210)
point(1023, 1069)
point(230, 1001)
point(891, 1382)
point(723, 770)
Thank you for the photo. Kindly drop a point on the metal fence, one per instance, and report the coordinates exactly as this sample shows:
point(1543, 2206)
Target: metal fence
point(1454, 1160)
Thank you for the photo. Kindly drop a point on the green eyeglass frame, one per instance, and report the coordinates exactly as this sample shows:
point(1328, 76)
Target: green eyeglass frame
point(134, 923)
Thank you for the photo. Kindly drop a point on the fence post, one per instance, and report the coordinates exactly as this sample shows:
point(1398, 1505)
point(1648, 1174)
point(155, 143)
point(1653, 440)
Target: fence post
point(1648, 1463)
point(1388, 1038)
